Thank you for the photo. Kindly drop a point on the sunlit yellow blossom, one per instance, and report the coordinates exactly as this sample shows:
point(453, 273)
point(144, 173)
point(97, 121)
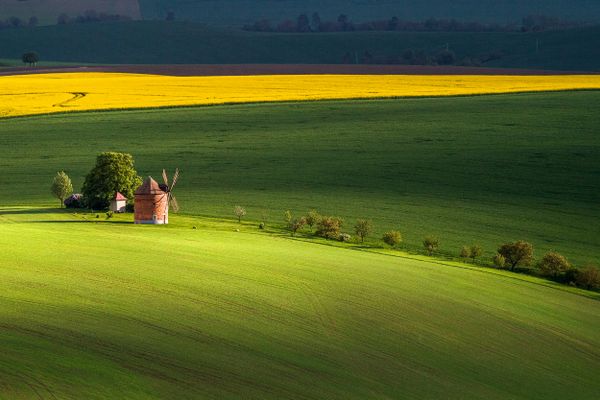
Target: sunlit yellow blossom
point(49, 93)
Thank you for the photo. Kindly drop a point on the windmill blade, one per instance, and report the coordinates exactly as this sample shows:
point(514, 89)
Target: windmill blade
point(165, 178)
point(175, 177)
point(174, 204)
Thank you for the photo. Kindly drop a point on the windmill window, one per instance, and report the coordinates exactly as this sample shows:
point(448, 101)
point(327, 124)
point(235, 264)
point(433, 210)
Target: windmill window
point(153, 217)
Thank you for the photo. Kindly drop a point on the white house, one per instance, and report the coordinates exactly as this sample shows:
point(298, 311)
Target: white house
point(118, 204)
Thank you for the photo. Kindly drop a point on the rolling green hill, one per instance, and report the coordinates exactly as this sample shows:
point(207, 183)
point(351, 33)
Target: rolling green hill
point(112, 310)
point(239, 12)
point(160, 42)
point(484, 169)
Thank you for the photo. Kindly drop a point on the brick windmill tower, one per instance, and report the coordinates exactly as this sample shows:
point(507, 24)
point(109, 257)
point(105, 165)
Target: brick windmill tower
point(152, 201)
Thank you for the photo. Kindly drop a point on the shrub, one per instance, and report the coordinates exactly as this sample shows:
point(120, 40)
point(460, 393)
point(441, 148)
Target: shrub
point(297, 224)
point(553, 264)
point(499, 260)
point(109, 215)
point(261, 225)
point(74, 201)
point(329, 227)
point(392, 238)
point(431, 244)
point(465, 252)
point(588, 278)
point(344, 237)
point(362, 229)
point(475, 251)
point(287, 217)
point(312, 218)
point(518, 253)
point(239, 212)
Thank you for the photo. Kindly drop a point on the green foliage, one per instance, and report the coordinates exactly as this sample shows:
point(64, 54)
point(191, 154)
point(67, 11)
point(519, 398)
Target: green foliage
point(240, 212)
point(345, 237)
point(553, 264)
point(114, 172)
point(312, 218)
point(431, 244)
point(499, 260)
point(465, 252)
point(363, 228)
point(588, 278)
point(329, 227)
point(109, 214)
point(475, 251)
point(61, 187)
point(30, 58)
point(392, 238)
point(287, 218)
point(296, 224)
point(517, 254)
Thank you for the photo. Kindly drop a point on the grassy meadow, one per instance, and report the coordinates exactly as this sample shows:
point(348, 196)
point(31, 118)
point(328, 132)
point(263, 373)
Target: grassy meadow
point(174, 42)
point(60, 92)
point(485, 169)
point(111, 310)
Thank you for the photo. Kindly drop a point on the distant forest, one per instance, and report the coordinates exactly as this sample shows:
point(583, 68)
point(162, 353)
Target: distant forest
point(304, 24)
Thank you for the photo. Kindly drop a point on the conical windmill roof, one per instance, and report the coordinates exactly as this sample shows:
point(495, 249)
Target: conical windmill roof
point(149, 187)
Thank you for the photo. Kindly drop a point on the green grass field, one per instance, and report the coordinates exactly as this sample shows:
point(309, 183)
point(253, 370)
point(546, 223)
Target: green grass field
point(160, 42)
point(486, 169)
point(112, 310)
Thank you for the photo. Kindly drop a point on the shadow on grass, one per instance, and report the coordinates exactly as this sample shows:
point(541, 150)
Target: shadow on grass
point(24, 211)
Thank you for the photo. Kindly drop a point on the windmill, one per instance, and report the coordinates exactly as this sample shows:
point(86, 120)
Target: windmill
point(168, 189)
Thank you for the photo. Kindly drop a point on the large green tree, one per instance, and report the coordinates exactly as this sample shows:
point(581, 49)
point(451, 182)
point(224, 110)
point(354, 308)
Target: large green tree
point(61, 186)
point(114, 172)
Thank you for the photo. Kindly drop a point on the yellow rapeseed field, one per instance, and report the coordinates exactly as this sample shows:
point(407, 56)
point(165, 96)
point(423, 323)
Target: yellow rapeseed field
point(60, 92)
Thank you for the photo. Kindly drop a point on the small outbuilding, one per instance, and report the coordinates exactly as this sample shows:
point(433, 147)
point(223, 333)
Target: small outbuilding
point(151, 203)
point(118, 204)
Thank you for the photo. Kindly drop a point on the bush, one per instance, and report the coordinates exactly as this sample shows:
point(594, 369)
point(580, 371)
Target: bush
point(312, 218)
point(74, 201)
point(329, 227)
point(344, 237)
point(431, 244)
point(109, 215)
point(499, 260)
point(518, 253)
point(475, 251)
point(465, 252)
point(297, 224)
point(240, 212)
point(362, 229)
point(261, 225)
point(588, 278)
point(129, 207)
point(553, 264)
point(287, 217)
point(392, 238)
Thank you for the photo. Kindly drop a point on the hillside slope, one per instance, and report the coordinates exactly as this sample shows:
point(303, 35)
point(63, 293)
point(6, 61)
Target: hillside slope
point(484, 169)
point(239, 12)
point(113, 310)
point(160, 42)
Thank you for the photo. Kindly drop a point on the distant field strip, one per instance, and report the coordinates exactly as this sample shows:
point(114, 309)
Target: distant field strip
point(49, 93)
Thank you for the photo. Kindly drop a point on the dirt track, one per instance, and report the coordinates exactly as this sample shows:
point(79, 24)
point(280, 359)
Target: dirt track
point(284, 69)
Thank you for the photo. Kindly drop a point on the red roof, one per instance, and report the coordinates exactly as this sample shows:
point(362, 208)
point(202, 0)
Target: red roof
point(149, 187)
point(120, 197)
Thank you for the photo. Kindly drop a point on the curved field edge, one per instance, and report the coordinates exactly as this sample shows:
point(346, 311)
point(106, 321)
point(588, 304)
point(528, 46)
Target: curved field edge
point(51, 93)
point(285, 102)
point(101, 310)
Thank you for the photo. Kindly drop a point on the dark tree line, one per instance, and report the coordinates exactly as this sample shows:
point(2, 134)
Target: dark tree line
point(315, 23)
point(16, 22)
point(90, 16)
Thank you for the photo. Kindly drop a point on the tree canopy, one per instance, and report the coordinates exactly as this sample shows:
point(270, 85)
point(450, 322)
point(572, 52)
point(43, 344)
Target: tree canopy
point(114, 172)
point(61, 186)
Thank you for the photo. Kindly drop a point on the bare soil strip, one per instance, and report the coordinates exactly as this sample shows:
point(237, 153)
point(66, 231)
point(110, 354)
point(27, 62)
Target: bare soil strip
point(285, 69)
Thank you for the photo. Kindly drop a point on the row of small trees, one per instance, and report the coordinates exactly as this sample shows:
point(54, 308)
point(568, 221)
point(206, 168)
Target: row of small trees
point(16, 22)
point(515, 256)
